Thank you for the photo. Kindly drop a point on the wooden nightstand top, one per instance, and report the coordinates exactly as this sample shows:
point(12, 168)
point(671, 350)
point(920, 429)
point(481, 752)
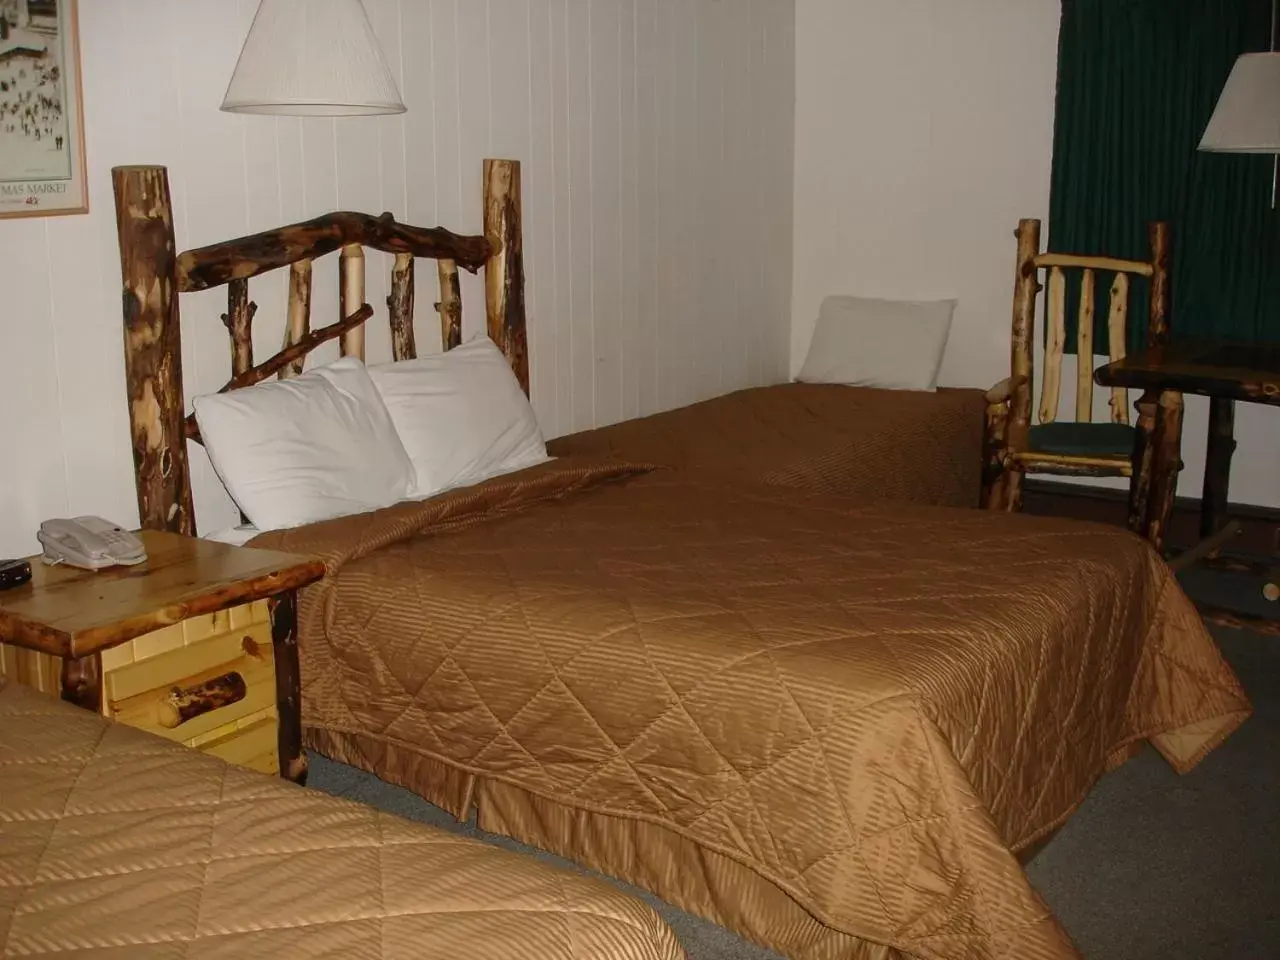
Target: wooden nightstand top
point(70, 612)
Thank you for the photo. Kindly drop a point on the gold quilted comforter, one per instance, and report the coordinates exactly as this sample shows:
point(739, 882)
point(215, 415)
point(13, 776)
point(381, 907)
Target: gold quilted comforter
point(828, 725)
point(851, 441)
point(116, 845)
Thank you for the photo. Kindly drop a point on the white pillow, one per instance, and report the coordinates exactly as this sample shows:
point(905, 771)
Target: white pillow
point(895, 344)
point(296, 451)
point(461, 416)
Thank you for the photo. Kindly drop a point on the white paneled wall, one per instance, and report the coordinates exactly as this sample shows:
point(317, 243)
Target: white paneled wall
point(656, 138)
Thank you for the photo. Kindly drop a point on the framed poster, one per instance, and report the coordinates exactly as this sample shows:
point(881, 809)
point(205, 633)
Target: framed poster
point(42, 170)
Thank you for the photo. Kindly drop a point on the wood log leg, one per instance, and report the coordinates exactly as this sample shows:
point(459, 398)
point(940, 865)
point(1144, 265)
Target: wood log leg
point(82, 682)
point(284, 638)
point(1217, 465)
point(995, 449)
point(1007, 494)
point(1144, 452)
point(1166, 465)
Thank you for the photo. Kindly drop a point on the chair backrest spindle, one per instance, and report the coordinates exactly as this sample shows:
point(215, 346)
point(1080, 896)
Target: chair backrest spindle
point(1084, 348)
point(1056, 328)
point(1117, 331)
point(1030, 263)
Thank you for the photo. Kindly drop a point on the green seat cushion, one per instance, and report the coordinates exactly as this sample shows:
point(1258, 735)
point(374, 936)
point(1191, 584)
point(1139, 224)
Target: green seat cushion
point(1083, 439)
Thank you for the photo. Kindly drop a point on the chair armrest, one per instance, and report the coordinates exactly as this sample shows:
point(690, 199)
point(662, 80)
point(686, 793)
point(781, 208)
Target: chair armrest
point(1002, 392)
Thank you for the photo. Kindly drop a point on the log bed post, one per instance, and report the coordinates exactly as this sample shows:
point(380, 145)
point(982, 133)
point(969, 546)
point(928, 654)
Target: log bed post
point(153, 347)
point(400, 309)
point(351, 297)
point(504, 270)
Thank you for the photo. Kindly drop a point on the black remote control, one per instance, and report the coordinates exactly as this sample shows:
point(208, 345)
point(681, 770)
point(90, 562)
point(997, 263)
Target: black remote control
point(14, 573)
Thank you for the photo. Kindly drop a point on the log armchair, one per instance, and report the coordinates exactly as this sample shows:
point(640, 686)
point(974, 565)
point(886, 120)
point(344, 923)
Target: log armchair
point(1146, 453)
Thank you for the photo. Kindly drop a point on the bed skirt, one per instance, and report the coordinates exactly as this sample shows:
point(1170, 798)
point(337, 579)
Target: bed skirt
point(651, 856)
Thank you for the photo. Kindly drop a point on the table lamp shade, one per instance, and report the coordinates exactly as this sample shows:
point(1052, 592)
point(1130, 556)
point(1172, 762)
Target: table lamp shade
point(1247, 117)
point(312, 58)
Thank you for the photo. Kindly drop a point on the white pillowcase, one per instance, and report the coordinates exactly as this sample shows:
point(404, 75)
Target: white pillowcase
point(296, 451)
point(461, 416)
point(895, 344)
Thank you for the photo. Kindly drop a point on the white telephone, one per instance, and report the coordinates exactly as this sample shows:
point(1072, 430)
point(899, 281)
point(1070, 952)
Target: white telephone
point(90, 542)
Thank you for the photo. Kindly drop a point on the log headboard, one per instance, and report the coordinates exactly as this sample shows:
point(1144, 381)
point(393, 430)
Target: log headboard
point(154, 274)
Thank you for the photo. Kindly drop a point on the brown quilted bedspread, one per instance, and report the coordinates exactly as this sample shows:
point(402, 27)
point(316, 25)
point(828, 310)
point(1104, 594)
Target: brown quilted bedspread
point(869, 707)
point(118, 845)
point(853, 441)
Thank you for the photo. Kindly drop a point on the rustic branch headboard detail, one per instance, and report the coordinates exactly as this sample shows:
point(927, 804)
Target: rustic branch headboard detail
point(154, 274)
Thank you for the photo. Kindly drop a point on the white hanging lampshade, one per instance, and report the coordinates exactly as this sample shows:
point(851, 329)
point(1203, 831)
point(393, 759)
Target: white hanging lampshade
point(312, 58)
point(1247, 117)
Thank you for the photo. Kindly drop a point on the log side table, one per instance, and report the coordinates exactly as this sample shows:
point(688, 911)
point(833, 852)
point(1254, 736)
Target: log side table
point(1225, 373)
point(198, 644)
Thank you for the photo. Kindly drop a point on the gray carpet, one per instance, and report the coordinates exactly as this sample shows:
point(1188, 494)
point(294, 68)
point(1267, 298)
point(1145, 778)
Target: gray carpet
point(1152, 866)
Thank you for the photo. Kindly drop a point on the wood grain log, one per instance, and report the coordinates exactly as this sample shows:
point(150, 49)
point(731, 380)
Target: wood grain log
point(1073, 464)
point(1055, 344)
point(298, 322)
point(187, 703)
point(400, 308)
point(1156, 476)
point(995, 443)
point(1143, 460)
point(82, 681)
point(504, 269)
point(1117, 333)
point(284, 640)
point(239, 323)
point(450, 305)
point(1007, 490)
point(1084, 349)
point(1105, 264)
point(350, 297)
point(249, 256)
point(153, 348)
point(1161, 258)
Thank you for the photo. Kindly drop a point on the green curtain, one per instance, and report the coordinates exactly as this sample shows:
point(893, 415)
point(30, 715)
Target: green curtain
point(1137, 83)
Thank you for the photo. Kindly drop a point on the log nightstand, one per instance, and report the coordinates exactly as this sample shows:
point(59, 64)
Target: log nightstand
point(198, 644)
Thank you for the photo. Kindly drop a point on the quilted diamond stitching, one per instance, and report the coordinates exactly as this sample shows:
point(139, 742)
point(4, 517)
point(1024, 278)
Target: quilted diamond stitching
point(455, 877)
point(685, 568)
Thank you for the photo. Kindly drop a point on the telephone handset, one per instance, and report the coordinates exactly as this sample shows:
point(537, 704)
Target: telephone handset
point(90, 542)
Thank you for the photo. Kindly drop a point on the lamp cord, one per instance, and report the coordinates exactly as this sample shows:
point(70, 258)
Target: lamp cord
point(1275, 158)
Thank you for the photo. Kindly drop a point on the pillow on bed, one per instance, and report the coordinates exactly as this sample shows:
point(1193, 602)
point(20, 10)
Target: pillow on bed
point(461, 416)
point(296, 451)
point(895, 344)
